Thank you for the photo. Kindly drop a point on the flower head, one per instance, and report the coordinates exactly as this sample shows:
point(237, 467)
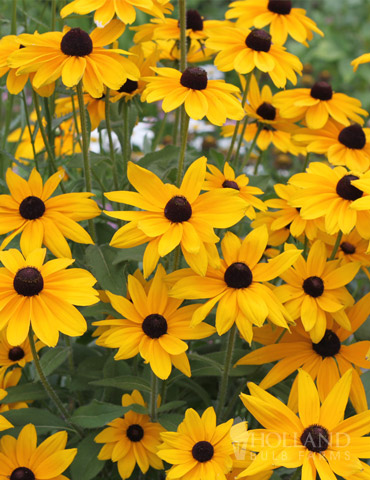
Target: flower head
point(11, 355)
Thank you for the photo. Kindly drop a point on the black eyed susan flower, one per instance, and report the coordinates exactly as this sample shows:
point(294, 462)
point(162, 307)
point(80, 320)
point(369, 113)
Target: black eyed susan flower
point(131, 440)
point(243, 50)
point(94, 106)
point(328, 193)
point(280, 15)
point(199, 450)
point(42, 295)
point(319, 440)
point(22, 459)
point(75, 55)
point(326, 360)
point(349, 146)
point(105, 10)
point(237, 285)
point(275, 237)
point(30, 210)
point(352, 247)
point(21, 354)
point(216, 179)
point(362, 205)
point(316, 287)
point(201, 97)
point(319, 103)
point(174, 216)
point(9, 379)
point(154, 325)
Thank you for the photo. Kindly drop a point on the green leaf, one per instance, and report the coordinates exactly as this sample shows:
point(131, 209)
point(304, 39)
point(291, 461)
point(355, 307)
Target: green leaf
point(134, 254)
point(53, 358)
point(171, 406)
point(125, 383)
point(86, 465)
point(171, 421)
point(100, 261)
point(97, 414)
point(25, 392)
point(43, 420)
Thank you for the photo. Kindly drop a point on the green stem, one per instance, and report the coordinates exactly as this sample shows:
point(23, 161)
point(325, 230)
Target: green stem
point(225, 376)
point(49, 129)
point(159, 135)
point(29, 129)
point(305, 247)
point(296, 474)
point(336, 246)
point(13, 28)
point(250, 150)
point(175, 127)
point(153, 398)
point(49, 389)
point(176, 258)
point(237, 124)
point(85, 150)
point(126, 150)
point(306, 162)
point(241, 137)
point(184, 127)
point(110, 139)
point(183, 46)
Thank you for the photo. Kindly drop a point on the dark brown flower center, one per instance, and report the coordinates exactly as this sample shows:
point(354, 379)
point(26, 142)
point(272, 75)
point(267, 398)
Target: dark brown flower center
point(22, 473)
point(353, 137)
point(230, 184)
point(283, 7)
point(266, 111)
point(238, 275)
point(154, 325)
point(194, 20)
point(346, 190)
point(32, 208)
point(259, 40)
point(313, 286)
point(76, 43)
point(178, 209)
point(129, 86)
point(202, 451)
point(322, 91)
point(194, 78)
point(315, 438)
point(347, 248)
point(135, 432)
point(328, 346)
point(15, 354)
point(28, 282)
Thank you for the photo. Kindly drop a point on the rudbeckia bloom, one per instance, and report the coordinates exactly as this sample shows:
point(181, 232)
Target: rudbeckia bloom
point(154, 326)
point(199, 450)
point(349, 146)
point(22, 459)
point(227, 179)
point(132, 439)
point(319, 440)
point(174, 216)
point(328, 193)
point(283, 19)
point(237, 285)
point(317, 104)
point(75, 55)
point(94, 106)
point(326, 360)
point(9, 379)
point(352, 248)
point(105, 10)
point(362, 205)
point(43, 296)
point(316, 287)
point(21, 354)
point(201, 97)
point(244, 50)
point(42, 219)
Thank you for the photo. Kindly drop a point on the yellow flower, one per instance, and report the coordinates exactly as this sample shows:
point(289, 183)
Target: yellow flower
point(42, 219)
point(21, 354)
point(199, 450)
point(319, 440)
point(153, 325)
point(75, 55)
point(237, 285)
point(316, 287)
point(132, 439)
point(352, 248)
point(317, 104)
point(43, 296)
point(216, 179)
point(9, 379)
point(349, 146)
point(326, 360)
point(279, 14)
point(94, 106)
point(201, 97)
point(21, 458)
point(243, 50)
point(172, 216)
